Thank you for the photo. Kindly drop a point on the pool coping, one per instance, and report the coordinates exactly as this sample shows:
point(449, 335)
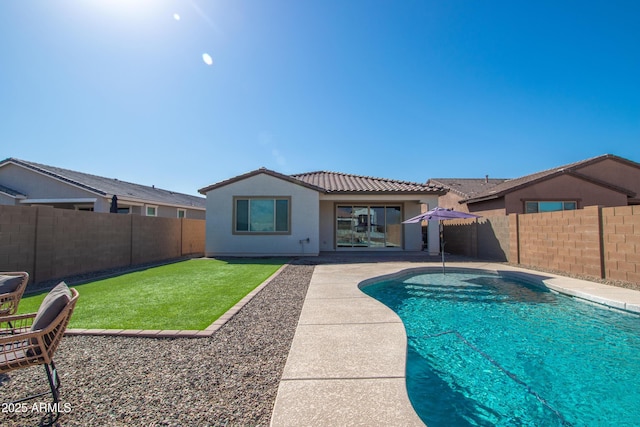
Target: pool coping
point(347, 361)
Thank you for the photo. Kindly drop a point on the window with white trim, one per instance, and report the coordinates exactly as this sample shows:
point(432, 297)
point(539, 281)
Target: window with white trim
point(182, 213)
point(151, 210)
point(258, 215)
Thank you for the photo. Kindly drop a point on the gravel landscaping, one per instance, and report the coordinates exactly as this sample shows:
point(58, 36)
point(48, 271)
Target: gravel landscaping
point(229, 379)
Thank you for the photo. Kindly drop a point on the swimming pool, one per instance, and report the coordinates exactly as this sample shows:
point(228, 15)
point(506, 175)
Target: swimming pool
point(491, 350)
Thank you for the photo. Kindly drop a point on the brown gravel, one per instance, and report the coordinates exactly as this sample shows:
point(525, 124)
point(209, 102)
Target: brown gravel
point(229, 379)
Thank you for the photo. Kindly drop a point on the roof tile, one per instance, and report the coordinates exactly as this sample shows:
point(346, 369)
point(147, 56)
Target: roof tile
point(337, 182)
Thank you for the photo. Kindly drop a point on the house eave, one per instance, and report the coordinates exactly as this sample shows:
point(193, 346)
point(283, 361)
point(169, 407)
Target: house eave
point(386, 193)
point(481, 199)
point(256, 172)
point(57, 201)
point(142, 202)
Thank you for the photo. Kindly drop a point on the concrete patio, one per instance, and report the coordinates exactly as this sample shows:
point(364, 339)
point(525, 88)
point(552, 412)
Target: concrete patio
point(346, 366)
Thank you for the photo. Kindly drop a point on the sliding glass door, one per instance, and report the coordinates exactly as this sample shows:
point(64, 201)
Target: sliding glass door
point(372, 226)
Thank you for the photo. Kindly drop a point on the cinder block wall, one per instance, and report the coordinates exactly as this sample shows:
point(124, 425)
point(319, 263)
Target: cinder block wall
point(567, 241)
point(461, 237)
point(53, 243)
point(193, 236)
point(17, 238)
point(594, 241)
point(155, 238)
point(74, 242)
point(621, 243)
point(486, 237)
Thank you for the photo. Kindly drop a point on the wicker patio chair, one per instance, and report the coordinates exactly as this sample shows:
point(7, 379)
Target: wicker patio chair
point(12, 286)
point(32, 339)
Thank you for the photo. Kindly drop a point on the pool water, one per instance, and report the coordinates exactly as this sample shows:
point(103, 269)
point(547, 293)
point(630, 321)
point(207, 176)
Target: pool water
point(486, 350)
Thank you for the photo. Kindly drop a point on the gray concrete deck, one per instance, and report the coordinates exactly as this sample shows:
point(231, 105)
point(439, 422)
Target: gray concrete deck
point(346, 366)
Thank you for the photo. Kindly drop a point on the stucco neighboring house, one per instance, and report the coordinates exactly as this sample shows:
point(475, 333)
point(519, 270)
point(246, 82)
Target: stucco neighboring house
point(606, 180)
point(264, 212)
point(33, 184)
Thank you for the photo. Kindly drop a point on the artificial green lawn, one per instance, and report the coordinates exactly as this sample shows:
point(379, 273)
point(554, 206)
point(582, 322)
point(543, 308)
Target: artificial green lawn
point(185, 295)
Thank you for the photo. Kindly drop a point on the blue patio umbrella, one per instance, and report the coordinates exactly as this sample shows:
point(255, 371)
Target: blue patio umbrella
point(440, 214)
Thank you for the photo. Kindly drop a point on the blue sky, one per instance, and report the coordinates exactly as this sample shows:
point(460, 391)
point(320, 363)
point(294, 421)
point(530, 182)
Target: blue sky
point(400, 89)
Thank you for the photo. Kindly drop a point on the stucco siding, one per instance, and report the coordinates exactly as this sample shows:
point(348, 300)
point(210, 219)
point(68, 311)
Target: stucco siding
point(451, 200)
point(327, 226)
point(567, 188)
point(304, 208)
point(38, 186)
point(616, 173)
point(413, 232)
point(167, 211)
point(8, 200)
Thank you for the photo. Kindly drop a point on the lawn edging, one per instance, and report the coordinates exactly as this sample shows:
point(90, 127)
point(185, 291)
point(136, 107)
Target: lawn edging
point(167, 333)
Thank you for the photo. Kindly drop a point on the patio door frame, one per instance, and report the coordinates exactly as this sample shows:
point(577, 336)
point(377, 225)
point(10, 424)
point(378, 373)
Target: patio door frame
point(369, 206)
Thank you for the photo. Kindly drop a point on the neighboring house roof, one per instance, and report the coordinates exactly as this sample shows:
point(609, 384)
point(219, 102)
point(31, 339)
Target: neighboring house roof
point(467, 187)
point(11, 192)
point(108, 187)
point(572, 169)
point(336, 182)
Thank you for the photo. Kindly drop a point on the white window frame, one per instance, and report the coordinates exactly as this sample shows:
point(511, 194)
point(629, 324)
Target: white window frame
point(184, 213)
point(146, 210)
point(269, 198)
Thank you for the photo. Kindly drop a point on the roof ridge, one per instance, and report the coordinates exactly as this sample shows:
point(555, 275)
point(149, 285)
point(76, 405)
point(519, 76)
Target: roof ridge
point(570, 166)
point(95, 176)
point(105, 186)
point(475, 179)
point(48, 170)
point(359, 176)
point(53, 171)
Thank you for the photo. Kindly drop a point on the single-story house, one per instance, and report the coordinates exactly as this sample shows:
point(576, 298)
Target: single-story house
point(33, 184)
point(264, 212)
point(606, 180)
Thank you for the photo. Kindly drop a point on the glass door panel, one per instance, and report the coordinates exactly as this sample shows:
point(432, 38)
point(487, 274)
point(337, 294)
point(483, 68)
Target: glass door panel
point(393, 226)
point(368, 226)
point(361, 221)
point(345, 227)
point(377, 230)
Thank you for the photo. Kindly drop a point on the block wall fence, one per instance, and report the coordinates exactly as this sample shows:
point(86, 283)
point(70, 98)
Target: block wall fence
point(53, 243)
point(594, 242)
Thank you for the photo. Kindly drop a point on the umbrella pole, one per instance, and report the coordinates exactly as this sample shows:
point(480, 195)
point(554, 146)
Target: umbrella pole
point(442, 243)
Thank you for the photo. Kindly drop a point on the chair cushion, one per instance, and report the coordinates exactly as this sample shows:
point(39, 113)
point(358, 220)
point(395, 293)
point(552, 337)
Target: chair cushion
point(51, 306)
point(9, 284)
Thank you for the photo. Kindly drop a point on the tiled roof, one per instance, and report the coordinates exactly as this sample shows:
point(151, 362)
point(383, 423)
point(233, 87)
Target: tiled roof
point(109, 186)
point(467, 187)
point(571, 169)
point(265, 171)
point(336, 182)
